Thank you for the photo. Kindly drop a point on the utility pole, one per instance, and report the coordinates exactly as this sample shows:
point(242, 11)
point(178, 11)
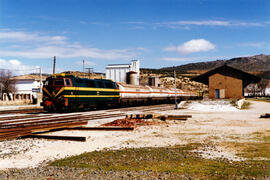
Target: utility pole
point(54, 61)
point(83, 68)
point(90, 70)
point(40, 80)
point(175, 98)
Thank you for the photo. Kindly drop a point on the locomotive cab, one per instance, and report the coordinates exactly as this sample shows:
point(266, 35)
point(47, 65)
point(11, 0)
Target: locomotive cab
point(58, 83)
point(66, 92)
point(52, 101)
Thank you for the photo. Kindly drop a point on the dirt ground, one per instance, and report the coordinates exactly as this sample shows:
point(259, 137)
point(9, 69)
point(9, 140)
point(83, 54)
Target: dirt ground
point(217, 130)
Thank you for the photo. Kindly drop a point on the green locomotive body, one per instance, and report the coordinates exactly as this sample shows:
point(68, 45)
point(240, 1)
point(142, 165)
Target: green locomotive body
point(66, 92)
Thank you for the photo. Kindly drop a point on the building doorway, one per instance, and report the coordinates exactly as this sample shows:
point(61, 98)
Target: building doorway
point(217, 94)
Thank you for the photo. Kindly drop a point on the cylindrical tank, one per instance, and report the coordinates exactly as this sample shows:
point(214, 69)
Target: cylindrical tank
point(132, 78)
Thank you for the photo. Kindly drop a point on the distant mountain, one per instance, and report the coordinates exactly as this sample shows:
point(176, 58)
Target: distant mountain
point(258, 63)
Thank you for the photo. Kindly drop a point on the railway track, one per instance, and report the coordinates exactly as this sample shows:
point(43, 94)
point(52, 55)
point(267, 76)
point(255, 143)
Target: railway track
point(22, 111)
point(40, 110)
point(12, 127)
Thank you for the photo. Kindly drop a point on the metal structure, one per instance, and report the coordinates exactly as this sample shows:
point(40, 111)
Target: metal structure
point(118, 72)
point(54, 62)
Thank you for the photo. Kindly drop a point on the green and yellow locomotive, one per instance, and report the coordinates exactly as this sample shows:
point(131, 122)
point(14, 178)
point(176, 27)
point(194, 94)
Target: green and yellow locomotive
point(65, 92)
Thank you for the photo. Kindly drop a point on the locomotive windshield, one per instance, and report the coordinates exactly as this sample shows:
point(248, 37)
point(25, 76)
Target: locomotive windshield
point(59, 82)
point(49, 82)
point(109, 85)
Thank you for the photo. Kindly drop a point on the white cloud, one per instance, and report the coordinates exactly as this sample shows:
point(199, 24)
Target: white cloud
point(29, 37)
point(142, 49)
point(17, 67)
point(202, 23)
point(135, 22)
point(68, 52)
point(182, 58)
point(86, 63)
point(34, 45)
point(173, 24)
point(255, 44)
point(192, 46)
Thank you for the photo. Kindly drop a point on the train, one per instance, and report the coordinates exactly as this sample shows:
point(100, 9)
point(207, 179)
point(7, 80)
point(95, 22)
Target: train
point(63, 92)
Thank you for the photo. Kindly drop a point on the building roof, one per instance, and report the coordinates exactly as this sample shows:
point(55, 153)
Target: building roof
point(30, 77)
point(228, 71)
point(110, 66)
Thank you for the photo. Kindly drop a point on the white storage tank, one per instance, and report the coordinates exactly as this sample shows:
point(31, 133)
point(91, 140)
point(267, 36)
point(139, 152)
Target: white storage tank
point(132, 78)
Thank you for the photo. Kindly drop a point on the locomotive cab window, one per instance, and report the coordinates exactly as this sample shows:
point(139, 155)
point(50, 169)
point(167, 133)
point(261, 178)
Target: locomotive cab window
point(109, 85)
point(100, 84)
point(49, 82)
point(59, 82)
point(90, 83)
point(67, 82)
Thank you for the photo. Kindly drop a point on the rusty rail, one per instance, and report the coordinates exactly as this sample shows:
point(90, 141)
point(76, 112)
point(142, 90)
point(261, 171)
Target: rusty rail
point(101, 128)
point(69, 138)
point(12, 128)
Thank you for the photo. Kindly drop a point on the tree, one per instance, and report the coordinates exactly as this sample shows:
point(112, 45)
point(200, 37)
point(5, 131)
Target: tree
point(257, 89)
point(7, 84)
point(262, 86)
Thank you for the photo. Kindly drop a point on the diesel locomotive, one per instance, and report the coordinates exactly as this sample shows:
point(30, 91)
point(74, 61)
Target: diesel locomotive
point(63, 92)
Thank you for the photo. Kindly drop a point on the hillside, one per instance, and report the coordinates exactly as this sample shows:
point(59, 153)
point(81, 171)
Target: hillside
point(94, 75)
point(256, 63)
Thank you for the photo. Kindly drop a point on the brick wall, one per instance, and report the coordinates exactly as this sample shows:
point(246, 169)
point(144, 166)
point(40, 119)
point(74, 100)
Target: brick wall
point(231, 87)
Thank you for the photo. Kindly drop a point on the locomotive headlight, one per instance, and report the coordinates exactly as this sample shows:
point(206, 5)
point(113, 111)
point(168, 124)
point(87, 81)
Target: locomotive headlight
point(66, 101)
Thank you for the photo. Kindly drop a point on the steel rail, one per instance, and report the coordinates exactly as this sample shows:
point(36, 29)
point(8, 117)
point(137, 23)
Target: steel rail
point(69, 138)
point(18, 132)
point(101, 128)
point(57, 117)
point(21, 111)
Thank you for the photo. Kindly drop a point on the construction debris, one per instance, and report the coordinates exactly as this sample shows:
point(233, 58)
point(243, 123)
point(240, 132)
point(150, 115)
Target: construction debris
point(175, 117)
point(128, 122)
point(139, 116)
point(158, 116)
point(266, 115)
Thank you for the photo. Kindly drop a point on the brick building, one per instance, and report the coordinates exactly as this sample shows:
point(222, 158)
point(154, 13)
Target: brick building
point(226, 82)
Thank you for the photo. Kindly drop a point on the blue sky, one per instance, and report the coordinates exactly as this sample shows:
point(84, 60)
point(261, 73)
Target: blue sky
point(159, 33)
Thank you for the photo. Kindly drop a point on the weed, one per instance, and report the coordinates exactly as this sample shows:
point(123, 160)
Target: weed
point(246, 105)
point(174, 160)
